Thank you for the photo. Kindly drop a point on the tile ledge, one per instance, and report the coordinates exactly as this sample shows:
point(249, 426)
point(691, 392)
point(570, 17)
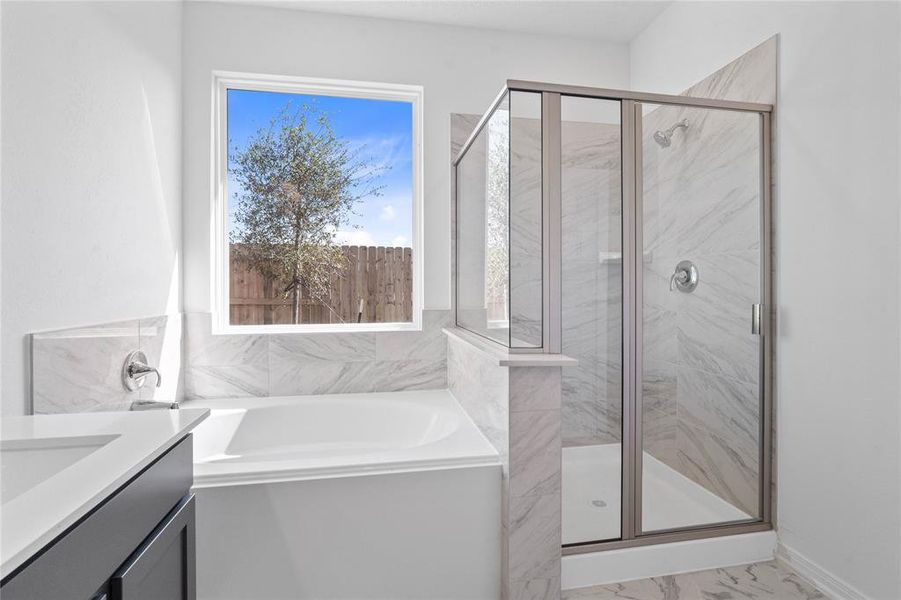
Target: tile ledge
point(504, 357)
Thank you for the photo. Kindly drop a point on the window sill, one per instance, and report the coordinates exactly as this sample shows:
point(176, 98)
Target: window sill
point(312, 328)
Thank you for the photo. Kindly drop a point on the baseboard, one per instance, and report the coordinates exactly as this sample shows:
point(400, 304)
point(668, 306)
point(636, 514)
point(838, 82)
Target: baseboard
point(826, 582)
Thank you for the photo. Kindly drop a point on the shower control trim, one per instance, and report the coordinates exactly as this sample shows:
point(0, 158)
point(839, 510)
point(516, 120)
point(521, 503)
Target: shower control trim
point(135, 370)
point(684, 278)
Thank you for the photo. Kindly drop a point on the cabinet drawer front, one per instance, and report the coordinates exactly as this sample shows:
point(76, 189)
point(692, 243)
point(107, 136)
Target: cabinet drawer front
point(163, 567)
point(81, 560)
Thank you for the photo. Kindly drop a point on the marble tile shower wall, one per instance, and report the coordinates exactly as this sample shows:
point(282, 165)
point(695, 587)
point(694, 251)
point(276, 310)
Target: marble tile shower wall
point(592, 282)
point(701, 202)
point(322, 363)
point(80, 369)
point(525, 226)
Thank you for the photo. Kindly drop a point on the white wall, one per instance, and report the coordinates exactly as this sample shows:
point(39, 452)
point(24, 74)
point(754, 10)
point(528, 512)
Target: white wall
point(837, 261)
point(461, 69)
point(91, 181)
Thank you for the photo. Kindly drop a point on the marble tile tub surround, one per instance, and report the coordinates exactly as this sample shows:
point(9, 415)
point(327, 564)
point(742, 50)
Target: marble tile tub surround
point(80, 369)
point(223, 366)
point(758, 581)
point(518, 410)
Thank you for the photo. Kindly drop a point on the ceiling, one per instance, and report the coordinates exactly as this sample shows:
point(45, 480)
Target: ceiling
point(614, 21)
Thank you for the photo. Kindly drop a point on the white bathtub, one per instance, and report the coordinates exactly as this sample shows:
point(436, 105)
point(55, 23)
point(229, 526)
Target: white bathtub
point(387, 495)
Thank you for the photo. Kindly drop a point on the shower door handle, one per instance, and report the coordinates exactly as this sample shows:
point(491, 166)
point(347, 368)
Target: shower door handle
point(756, 310)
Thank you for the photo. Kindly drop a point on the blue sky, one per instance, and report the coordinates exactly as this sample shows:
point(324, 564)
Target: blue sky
point(384, 128)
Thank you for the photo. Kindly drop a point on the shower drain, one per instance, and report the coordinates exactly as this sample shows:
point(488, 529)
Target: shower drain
point(598, 503)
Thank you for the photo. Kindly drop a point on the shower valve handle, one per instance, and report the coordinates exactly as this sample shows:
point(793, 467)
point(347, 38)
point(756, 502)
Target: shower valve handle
point(684, 278)
point(680, 276)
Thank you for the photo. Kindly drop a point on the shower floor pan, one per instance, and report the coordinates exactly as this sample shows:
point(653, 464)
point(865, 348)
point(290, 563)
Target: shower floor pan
point(591, 496)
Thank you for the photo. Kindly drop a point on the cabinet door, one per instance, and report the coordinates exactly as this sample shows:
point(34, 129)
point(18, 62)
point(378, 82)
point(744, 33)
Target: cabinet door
point(162, 568)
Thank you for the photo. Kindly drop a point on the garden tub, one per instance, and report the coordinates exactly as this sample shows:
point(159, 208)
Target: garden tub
point(377, 495)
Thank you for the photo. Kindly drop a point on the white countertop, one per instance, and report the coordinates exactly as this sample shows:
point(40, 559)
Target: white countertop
point(109, 449)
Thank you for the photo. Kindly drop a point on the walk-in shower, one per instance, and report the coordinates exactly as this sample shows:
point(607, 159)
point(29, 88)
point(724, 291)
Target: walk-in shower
point(631, 231)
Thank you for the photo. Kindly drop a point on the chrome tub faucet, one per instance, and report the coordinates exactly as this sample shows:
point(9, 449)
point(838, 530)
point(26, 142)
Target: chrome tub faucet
point(134, 373)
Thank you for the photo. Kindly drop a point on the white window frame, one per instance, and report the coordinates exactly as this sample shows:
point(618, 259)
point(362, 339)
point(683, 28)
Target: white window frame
point(219, 250)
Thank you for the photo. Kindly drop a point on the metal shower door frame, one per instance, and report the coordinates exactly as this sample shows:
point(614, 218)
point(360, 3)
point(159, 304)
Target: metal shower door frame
point(630, 129)
point(633, 277)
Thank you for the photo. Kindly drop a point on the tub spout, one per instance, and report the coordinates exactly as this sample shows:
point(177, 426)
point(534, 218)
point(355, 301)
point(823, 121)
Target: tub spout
point(153, 405)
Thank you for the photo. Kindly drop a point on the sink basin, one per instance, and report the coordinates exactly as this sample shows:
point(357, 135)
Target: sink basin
point(28, 462)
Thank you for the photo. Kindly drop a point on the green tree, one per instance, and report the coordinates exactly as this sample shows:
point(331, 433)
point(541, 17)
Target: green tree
point(300, 183)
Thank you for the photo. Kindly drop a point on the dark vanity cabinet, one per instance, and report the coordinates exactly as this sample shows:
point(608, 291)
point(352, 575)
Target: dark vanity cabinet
point(163, 567)
point(137, 544)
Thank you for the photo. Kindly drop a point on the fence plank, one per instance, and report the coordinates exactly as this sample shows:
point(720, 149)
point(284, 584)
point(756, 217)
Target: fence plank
point(407, 270)
point(381, 276)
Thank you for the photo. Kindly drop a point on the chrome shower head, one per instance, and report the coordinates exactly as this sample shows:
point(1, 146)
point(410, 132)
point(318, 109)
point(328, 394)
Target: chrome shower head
point(665, 138)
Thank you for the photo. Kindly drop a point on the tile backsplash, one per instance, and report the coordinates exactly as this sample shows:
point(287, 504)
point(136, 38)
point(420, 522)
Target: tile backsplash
point(79, 369)
point(290, 364)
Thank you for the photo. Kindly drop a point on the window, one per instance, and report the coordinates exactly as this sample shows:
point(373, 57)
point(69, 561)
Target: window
point(317, 205)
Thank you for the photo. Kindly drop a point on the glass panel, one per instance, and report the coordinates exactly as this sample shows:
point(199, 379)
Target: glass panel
point(700, 387)
point(525, 221)
point(482, 231)
point(592, 272)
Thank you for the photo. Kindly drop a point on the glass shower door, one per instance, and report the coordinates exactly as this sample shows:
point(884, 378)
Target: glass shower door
point(700, 406)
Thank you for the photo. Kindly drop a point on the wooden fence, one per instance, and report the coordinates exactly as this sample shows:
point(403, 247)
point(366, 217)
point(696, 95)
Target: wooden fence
point(381, 277)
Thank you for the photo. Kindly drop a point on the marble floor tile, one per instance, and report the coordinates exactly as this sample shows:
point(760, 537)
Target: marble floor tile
point(668, 587)
point(749, 582)
point(767, 580)
point(535, 589)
